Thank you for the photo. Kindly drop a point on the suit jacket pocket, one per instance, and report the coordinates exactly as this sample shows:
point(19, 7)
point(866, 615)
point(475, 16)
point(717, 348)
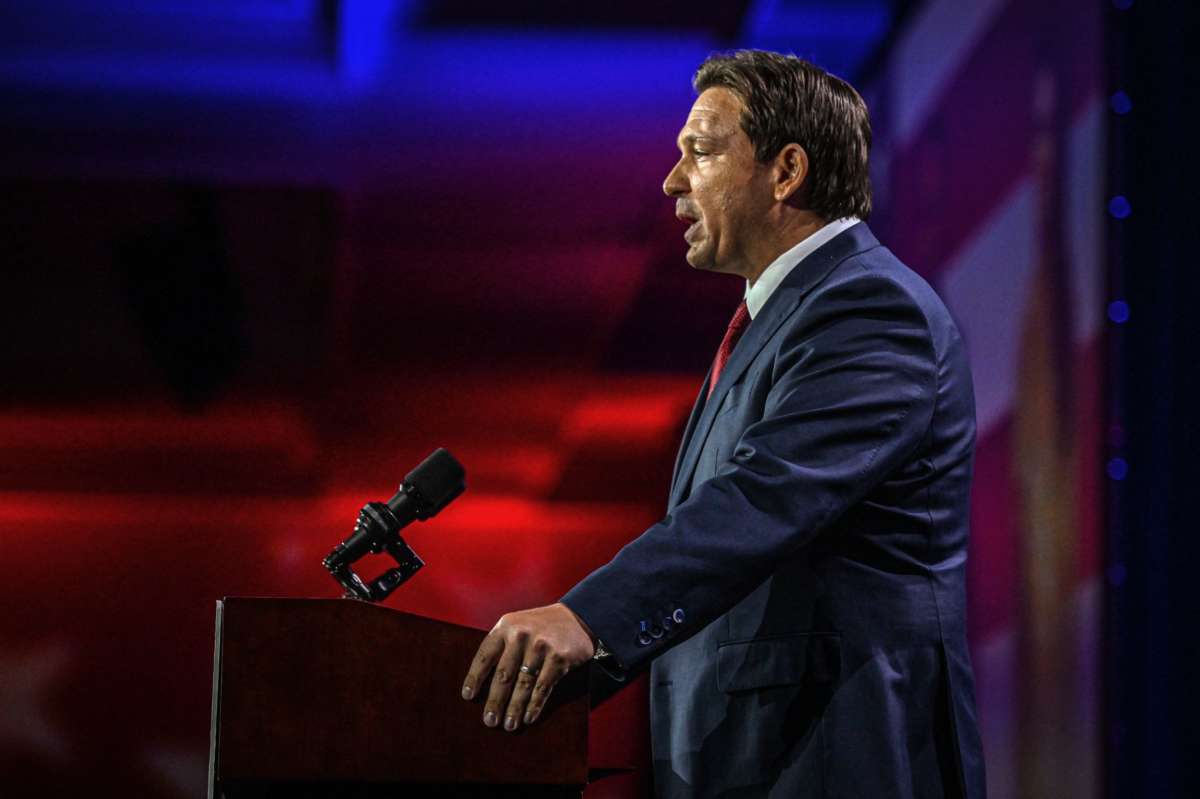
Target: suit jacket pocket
point(793, 659)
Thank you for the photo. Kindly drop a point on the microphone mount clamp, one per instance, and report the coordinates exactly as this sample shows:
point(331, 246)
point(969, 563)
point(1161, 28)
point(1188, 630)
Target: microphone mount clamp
point(376, 530)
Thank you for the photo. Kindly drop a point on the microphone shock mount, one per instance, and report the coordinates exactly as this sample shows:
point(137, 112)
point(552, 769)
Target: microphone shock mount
point(379, 528)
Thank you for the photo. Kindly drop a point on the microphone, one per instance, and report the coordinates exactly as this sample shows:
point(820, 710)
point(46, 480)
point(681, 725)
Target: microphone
point(433, 485)
point(428, 488)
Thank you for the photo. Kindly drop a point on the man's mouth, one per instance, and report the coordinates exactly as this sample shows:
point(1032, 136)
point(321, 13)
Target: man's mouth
point(693, 224)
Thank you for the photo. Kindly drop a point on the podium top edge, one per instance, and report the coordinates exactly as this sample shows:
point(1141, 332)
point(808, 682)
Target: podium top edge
point(330, 601)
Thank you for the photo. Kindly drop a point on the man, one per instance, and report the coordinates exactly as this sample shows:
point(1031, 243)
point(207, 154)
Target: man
point(802, 603)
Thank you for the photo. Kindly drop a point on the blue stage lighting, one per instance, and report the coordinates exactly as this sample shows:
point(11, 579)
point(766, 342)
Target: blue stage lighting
point(1117, 468)
point(1119, 207)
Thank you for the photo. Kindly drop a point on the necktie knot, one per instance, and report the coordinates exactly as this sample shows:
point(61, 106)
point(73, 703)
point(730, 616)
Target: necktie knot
point(737, 326)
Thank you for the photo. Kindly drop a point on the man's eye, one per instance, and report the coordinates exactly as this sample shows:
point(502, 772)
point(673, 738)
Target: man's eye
point(699, 152)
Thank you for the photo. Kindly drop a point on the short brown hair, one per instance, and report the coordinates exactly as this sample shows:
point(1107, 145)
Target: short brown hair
point(788, 99)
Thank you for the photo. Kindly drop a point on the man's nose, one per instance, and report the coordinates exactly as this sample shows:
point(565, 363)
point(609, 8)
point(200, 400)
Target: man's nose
point(675, 183)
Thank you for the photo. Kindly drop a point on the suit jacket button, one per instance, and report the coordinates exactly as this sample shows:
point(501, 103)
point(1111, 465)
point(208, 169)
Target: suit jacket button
point(678, 616)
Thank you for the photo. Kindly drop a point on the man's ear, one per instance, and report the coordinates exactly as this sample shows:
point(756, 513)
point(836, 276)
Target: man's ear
point(791, 169)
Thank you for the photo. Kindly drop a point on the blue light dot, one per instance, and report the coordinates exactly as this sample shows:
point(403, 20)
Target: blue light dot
point(1122, 5)
point(1117, 468)
point(1118, 311)
point(1119, 207)
point(1116, 574)
point(1120, 103)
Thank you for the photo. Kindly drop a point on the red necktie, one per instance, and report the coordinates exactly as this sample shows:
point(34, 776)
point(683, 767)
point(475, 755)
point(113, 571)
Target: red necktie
point(737, 325)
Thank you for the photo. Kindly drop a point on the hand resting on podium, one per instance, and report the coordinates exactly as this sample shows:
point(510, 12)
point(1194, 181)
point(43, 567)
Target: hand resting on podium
point(526, 654)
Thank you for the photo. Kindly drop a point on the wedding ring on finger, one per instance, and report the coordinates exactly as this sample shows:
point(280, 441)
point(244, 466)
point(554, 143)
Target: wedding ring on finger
point(530, 670)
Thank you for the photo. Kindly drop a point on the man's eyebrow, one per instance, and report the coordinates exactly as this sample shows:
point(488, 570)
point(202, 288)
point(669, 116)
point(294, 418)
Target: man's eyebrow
point(692, 138)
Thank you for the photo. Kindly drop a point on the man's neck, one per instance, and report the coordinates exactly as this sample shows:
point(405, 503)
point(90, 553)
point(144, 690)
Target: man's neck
point(800, 227)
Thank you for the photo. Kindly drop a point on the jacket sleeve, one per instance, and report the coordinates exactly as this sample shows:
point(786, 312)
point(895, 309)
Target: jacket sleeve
point(852, 392)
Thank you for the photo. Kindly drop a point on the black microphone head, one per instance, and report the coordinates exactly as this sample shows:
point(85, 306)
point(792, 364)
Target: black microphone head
point(437, 480)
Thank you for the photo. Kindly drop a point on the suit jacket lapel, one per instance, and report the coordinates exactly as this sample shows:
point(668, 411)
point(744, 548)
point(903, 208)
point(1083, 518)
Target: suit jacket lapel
point(807, 274)
point(697, 408)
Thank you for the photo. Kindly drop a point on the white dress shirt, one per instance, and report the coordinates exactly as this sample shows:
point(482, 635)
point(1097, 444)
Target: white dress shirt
point(758, 294)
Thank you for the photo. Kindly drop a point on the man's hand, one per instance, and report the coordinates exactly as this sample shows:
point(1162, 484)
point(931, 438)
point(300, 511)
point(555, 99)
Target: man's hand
point(530, 651)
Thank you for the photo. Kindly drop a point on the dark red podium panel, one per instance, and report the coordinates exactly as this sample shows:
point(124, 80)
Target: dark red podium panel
point(336, 697)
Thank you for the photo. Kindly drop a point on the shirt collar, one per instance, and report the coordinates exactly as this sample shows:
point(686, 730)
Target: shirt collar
point(758, 294)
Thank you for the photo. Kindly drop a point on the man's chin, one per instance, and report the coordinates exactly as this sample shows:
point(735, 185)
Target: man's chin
point(699, 258)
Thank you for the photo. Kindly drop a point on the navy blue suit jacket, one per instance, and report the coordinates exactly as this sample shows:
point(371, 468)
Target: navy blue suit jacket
point(802, 603)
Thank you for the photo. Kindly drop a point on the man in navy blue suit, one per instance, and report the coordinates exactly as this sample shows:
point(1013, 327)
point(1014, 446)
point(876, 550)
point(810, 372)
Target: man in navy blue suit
point(801, 606)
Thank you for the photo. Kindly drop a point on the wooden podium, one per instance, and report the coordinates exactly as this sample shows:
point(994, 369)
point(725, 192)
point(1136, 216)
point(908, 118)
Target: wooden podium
point(336, 697)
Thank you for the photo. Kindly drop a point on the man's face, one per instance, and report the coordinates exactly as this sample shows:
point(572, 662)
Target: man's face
point(720, 190)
